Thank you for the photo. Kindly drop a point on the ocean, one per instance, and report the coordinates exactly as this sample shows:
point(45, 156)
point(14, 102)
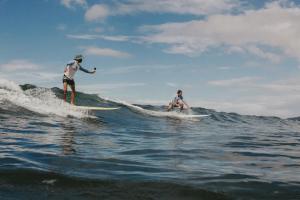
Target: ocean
point(49, 150)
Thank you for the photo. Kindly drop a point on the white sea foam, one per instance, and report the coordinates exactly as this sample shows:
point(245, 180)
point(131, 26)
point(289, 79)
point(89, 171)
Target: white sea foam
point(39, 100)
point(172, 114)
point(9, 85)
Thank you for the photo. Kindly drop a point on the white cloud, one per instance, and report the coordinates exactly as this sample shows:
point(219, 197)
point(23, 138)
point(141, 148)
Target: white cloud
point(96, 51)
point(170, 84)
point(192, 7)
point(270, 33)
point(242, 81)
point(97, 12)
point(135, 68)
point(225, 68)
point(25, 71)
point(275, 58)
point(253, 64)
point(235, 49)
point(288, 86)
point(73, 3)
point(103, 87)
point(19, 65)
point(115, 38)
point(47, 76)
point(37, 77)
point(279, 98)
point(83, 36)
point(284, 87)
point(268, 105)
point(120, 70)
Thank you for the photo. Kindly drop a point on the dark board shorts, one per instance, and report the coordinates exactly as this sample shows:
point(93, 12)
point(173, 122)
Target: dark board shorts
point(68, 81)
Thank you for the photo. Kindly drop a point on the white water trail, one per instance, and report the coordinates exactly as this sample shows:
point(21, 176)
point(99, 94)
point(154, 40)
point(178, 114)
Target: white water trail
point(39, 100)
point(172, 114)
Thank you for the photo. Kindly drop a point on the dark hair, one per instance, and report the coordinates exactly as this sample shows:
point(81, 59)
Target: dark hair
point(179, 91)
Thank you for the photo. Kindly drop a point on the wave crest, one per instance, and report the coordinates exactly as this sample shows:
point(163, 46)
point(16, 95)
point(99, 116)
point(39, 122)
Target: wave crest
point(39, 100)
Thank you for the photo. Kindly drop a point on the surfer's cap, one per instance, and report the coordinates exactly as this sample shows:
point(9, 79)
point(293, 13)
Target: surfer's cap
point(78, 57)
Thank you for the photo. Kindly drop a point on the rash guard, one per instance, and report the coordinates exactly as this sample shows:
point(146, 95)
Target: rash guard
point(72, 67)
point(178, 99)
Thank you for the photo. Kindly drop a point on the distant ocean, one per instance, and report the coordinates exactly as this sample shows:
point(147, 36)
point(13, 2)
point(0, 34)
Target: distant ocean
point(49, 150)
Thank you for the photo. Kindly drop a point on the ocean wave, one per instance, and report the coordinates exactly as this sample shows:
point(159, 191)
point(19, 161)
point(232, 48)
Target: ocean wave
point(189, 114)
point(38, 100)
point(49, 102)
point(249, 157)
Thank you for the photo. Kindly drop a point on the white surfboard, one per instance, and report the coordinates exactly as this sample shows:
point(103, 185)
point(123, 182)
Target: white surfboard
point(96, 108)
point(194, 116)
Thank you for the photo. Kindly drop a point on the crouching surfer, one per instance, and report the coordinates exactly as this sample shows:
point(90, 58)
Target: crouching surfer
point(69, 73)
point(178, 102)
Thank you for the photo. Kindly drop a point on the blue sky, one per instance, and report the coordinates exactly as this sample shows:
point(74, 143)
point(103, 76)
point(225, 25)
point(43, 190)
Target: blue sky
point(228, 55)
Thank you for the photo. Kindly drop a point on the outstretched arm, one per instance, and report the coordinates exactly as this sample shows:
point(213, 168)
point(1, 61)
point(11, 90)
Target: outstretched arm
point(87, 71)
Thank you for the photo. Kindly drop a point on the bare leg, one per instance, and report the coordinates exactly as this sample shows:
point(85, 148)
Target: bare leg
point(170, 107)
point(65, 91)
point(73, 94)
point(181, 107)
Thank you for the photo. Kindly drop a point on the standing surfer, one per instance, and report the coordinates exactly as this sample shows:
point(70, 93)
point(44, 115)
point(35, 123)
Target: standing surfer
point(178, 102)
point(69, 73)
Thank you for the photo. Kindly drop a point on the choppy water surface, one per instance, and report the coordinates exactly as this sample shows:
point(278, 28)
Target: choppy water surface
point(137, 152)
